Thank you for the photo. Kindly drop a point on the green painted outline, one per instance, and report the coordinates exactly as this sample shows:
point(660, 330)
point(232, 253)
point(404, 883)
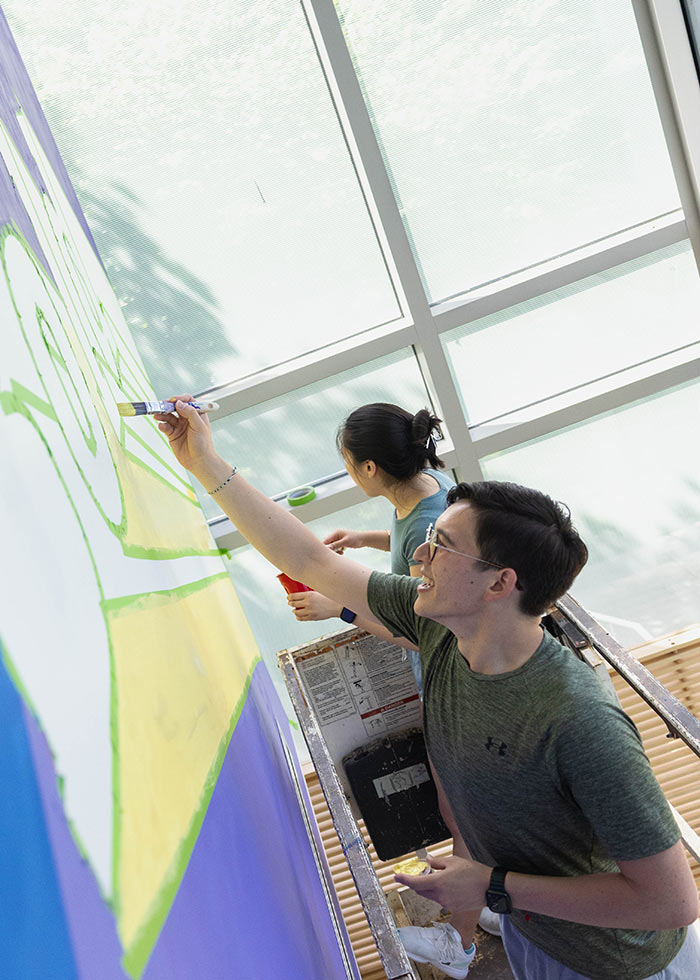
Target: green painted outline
point(90, 302)
point(84, 299)
point(133, 434)
point(160, 597)
point(76, 402)
point(5, 234)
point(20, 400)
point(137, 954)
point(19, 397)
point(119, 530)
point(21, 408)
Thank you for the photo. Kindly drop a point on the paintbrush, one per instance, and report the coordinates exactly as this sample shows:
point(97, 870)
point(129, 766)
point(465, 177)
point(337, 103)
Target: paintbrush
point(150, 408)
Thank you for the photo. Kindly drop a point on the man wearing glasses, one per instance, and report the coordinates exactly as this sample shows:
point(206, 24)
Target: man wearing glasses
point(568, 834)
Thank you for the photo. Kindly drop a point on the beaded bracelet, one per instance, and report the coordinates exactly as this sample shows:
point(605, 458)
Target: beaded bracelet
point(227, 480)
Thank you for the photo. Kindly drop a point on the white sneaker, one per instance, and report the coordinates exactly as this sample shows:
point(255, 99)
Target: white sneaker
point(439, 944)
point(490, 922)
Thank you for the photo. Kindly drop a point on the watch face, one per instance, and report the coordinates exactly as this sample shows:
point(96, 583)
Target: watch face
point(498, 902)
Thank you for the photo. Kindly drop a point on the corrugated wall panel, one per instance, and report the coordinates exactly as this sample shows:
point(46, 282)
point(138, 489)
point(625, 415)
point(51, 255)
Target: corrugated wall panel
point(675, 662)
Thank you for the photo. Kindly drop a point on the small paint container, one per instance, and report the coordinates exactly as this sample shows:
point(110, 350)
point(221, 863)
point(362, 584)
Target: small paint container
point(290, 585)
point(413, 866)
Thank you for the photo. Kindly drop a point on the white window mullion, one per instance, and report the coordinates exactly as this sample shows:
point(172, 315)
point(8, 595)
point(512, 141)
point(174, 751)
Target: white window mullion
point(282, 379)
point(557, 274)
point(490, 438)
point(323, 15)
point(675, 82)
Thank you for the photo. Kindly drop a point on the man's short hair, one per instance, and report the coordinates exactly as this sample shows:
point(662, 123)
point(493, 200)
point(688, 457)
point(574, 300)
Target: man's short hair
point(525, 530)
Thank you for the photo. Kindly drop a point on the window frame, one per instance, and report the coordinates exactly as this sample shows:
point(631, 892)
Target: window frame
point(669, 56)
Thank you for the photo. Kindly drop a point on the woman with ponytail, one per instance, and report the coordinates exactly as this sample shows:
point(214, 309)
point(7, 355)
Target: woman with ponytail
point(388, 452)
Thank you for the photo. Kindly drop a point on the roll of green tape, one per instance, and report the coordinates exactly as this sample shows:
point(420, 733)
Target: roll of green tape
point(302, 495)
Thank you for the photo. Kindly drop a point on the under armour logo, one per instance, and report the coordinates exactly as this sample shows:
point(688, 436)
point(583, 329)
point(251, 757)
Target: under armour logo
point(501, 748)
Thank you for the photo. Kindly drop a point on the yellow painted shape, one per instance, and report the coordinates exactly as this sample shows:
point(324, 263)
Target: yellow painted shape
point(181, 663)
point(157, 516)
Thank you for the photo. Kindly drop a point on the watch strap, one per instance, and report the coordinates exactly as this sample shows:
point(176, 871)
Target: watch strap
point(498, 879)
point(497, 898)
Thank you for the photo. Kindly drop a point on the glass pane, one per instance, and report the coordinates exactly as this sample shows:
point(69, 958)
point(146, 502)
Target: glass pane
point(290, 441)
point(632, 481)
point(692, 20)
point(576, 334)
point(207, 155)
point(264, 600)
point(501, 131)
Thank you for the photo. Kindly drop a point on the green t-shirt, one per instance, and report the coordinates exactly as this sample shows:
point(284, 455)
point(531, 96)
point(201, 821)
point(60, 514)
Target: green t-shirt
point(545, 775)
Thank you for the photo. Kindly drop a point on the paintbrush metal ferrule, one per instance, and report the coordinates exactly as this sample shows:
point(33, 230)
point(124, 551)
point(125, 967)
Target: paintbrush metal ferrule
point(128, 409)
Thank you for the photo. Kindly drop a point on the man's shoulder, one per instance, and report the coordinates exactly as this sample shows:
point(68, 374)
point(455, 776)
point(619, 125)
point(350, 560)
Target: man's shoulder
point(391, 599)
point(570, 683)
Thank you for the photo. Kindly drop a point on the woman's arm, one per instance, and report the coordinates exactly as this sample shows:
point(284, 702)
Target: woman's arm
point(272, 531)
point(341, 539)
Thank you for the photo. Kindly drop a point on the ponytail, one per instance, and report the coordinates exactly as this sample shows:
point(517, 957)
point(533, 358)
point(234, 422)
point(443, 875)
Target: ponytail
point(424, 428)
point(401, 444)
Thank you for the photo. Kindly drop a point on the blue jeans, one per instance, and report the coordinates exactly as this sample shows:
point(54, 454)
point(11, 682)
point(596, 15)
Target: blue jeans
point(414, 657)
point(528, 962)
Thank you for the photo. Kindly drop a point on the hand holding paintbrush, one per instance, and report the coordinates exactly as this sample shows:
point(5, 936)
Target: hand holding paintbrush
point(128, 409)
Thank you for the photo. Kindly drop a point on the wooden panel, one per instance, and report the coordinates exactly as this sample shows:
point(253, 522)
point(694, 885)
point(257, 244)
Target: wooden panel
point(360, 936)
point(674, 660)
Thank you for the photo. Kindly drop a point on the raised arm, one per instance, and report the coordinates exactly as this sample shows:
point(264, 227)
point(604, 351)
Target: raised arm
point(272, 531)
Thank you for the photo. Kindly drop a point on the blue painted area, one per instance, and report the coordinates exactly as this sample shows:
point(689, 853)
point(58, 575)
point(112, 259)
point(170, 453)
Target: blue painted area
point(34, 939)
point(250, 905)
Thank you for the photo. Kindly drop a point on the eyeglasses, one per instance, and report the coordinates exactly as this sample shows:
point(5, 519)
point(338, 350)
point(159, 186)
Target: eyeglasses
point(431, 535)
point(431, 539)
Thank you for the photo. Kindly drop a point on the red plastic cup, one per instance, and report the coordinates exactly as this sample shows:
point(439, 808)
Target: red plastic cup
point(289, 585)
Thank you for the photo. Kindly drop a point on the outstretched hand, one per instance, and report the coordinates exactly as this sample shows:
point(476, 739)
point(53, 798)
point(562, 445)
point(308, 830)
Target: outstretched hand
point(339, 540)
point(188, 432)
point(455, 883)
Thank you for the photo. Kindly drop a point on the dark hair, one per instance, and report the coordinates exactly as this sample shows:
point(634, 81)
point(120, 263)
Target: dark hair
point(525, 530)
point(400, 443)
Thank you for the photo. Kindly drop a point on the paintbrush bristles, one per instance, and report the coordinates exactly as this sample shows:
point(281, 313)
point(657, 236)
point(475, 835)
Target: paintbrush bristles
point(127, 409)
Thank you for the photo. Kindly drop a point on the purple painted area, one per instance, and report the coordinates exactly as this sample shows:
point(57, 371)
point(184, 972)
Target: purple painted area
point(250, 904)
point(16, 93)
point(96, 947)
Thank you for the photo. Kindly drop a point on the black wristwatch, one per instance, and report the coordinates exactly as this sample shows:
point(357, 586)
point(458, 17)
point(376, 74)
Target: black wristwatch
point(497, 898)
point(347, 615)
